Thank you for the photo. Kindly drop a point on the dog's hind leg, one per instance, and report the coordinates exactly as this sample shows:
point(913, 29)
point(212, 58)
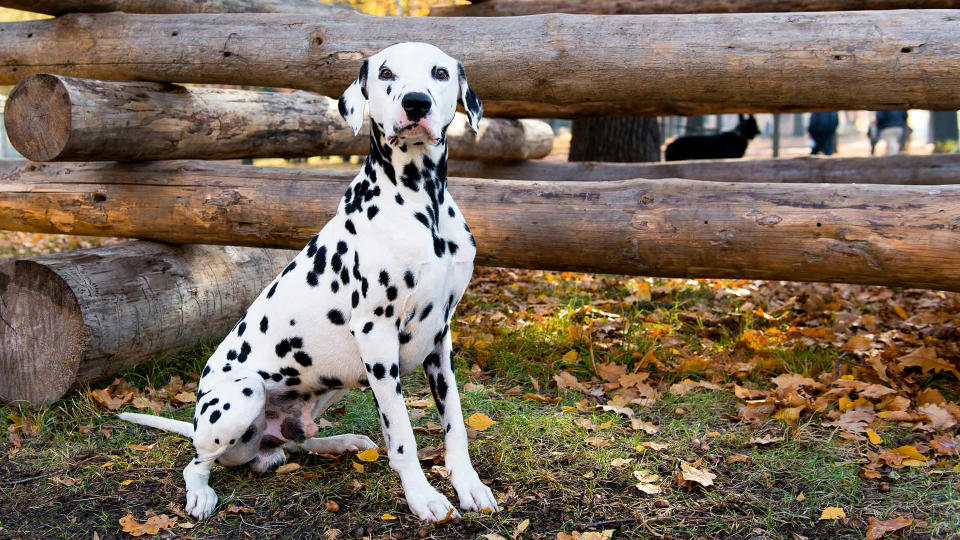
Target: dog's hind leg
point(473, 494)
point(337, 444)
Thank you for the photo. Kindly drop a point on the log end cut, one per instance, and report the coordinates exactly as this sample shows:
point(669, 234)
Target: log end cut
point(42, 333)
point(37, 117)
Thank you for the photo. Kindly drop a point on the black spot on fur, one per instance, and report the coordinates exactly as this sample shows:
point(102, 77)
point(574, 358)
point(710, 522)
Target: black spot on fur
point(386, 421)
point(389, 311)
point(450, 211)
point(331, 382)
point(395, 371)
point(293, 381)
point(399, 389)
point(283, 348)
point(404, 338)
point(272, 290)
point(303, 358)
point(367, 327)
point(379, 311)
point(408, 279)
point(291, 266)
point(336, 316)
point(248, 434)
point(341, 247)
point(348, 225)
point(248, 391)
point(231, 354)
point(355, 299)
point(384, 278)
point(432, 360)
point(372, 211)
point(227, 368)
point(277, 377)
point(391, 293)
point(334, 286)
point(241, 329)
point(345, 276)
point(379, 371)
point(263, 324)
point(206, 371)
point(452, 247)
point(426, 311)
point(244, 352)
point(214, 416)
point(422, 218)
point(312, 279)
point(263, 374)
point(398, 198)
point(289, 371)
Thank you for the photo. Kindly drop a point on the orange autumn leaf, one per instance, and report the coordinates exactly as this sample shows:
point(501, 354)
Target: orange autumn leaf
point(480, 421)
point(877, 528)
point(369, 455)
point(152, 526)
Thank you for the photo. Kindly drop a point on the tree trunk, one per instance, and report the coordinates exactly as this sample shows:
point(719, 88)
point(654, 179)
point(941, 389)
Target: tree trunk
point(902, 169)
point(62, 7)
point(54, 118)
point(884, 235)
point(615, 139)
point(500, 8)
point(688, 64)
point(75, 317)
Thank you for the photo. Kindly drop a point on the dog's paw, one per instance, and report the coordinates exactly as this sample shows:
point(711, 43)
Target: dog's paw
point(474, 495)
point(201, 502)
point(356, 443)
point(338, 444)
point(429, 505)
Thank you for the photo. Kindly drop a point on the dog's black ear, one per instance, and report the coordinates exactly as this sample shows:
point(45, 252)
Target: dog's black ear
point(354, 100)
point(469, 100)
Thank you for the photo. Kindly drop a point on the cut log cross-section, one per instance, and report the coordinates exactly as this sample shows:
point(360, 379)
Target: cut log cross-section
point(54, 118)
point(75, 317)
point(871, 234)
point(500, 8)
point(630, 65)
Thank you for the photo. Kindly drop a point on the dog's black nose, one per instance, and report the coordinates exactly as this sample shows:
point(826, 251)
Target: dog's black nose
point(416, 104)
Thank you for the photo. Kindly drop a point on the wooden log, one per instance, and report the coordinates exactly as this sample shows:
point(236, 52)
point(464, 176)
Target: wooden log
point(55, 118)
point(885, 235)
point(501, 8)
point(72, 318)
point(936, 169)
point(62, 7)
point(636, 64)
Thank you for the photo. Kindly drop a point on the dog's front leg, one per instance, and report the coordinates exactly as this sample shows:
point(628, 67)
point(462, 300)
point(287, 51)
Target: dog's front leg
point(201, 499)
point(473, 494)
point(379, 349)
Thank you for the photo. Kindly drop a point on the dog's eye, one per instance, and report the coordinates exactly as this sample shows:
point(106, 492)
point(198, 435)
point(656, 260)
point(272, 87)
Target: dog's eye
point(385, 74)
point(440, 74)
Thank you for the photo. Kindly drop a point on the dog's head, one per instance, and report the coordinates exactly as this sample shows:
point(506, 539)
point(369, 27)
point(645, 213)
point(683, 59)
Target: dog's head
point(748, 126)
point(411, 91)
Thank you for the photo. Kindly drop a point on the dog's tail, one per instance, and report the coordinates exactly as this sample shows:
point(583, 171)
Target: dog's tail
point(159, 422)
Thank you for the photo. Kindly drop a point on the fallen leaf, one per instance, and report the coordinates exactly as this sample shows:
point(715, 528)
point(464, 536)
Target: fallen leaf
point(739, 458)
point(358, 467)
point(620, 462)
point(521, 527)
point(480, 422)
point(331, 534)
point(832, 512)
point(688, 473)
point(599, 442)
point(946, 445)
point(877, 528)
point(566, 381)
point(331, 506)
point(288, 468)
point(610, 371)
point(369, 455)
point(926, 359)
point(152, 526)
point(651, 445)
point(186, 397)
point(140, 447)
point(388, 517)
point(910, 452)
point(571, 356)
point(765, 440)
point(874, 438)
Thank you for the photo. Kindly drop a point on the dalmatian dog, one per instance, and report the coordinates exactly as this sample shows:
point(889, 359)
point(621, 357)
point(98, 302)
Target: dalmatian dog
point(369, 298)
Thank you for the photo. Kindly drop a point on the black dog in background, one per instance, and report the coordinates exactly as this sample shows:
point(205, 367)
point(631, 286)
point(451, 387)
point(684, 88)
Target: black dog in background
point(729, 144)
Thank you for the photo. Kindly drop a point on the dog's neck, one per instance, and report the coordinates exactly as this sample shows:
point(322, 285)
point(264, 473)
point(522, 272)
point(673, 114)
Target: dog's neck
point(415, 170)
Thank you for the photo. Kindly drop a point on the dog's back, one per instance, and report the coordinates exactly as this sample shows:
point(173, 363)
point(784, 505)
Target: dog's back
point(726, 145)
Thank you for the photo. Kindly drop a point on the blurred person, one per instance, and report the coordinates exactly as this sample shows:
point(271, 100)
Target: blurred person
point(891, 126)
point(823, 131)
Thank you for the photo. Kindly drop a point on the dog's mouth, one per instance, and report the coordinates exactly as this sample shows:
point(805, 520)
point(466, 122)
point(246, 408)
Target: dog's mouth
point(416, 131)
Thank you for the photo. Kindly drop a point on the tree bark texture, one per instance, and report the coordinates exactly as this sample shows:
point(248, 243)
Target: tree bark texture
point(62, 7)
point(622, 139)
point(75, 317)
point(903, 169)
point(55, 118)
point(500, 8)
point(873, 234)
point(590, 65)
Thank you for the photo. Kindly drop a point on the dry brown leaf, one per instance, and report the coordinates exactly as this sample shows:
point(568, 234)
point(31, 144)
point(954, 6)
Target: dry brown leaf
point(940, 419)
point(877, 528)
point(765, 440)
point(599, 442)
point(689, 473)
point(650, 445)
point(186, 397)
point(611, 372)
point(480, 421)
point(152, 526)
point(331, 506)
point(288, 468)
point(566, 381)
point(739, 458)
point(926, 359)
point(946, 445)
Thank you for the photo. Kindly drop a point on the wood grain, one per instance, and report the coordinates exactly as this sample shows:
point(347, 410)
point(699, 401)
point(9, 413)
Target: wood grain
point(903, 169)
point(500, 8)
point(62, 7)
point(629, 64)
point(76, 317)
point(56, 118)
point(873, 234)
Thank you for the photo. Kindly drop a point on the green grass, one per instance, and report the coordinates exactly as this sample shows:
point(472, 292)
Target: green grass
point(535, 456)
